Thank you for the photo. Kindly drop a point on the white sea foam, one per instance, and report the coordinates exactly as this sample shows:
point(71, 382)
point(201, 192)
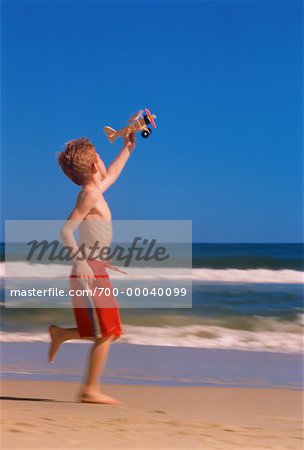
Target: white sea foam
point(270, 335)
point(249, 276)
point(22, 269)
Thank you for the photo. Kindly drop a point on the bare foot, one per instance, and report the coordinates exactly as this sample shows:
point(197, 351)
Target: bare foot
point(56, 341)
point(99, 398)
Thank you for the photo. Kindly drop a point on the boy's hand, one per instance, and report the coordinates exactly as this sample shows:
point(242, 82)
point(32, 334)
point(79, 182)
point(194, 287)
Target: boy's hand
point(85, 273)
point(129, 141)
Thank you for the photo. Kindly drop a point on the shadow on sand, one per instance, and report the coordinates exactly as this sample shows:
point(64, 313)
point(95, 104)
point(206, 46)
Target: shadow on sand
point(31, 399)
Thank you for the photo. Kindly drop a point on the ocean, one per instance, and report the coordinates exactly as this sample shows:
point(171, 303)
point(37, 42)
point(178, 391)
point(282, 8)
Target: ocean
point(244, 297)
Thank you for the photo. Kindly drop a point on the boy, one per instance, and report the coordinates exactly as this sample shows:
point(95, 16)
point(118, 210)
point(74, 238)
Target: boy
point(80, 162)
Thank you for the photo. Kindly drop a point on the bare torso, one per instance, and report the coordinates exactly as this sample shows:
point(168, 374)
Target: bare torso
point(96, 226)
point(101, 211)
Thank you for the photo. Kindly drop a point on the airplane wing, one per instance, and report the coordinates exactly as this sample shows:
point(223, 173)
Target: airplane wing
point(136, 115)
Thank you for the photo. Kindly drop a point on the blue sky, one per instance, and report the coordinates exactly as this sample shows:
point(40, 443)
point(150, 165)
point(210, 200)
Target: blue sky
point(223, 77)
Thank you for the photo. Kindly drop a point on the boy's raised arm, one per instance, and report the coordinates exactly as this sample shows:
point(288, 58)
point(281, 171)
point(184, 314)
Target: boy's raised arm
point(118, 164)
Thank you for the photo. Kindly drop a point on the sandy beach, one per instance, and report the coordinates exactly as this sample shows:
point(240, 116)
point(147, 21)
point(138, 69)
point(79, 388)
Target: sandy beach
point(45, 415)
point(173, 398)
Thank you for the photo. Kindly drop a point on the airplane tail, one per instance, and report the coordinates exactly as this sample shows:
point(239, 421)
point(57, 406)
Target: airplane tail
point(110, 132)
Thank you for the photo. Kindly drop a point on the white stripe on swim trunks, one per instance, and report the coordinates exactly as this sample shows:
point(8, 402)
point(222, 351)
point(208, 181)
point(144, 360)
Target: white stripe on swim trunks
point(94, 316)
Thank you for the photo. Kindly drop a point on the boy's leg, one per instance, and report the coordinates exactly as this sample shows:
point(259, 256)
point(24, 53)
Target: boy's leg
point(91, 392)
point(84, 319)
point(97, 359)
point(91, 389)
point(59, 335)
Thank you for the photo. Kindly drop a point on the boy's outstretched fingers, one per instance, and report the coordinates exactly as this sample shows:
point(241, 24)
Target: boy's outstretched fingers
point(130, 140)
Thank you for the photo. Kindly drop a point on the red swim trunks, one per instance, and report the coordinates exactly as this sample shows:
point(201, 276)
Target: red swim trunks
point(104, 307)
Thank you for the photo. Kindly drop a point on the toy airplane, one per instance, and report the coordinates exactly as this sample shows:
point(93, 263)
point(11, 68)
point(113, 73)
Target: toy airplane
point(138, 122)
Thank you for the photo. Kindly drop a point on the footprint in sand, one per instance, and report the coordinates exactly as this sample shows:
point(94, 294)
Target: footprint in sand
point(48, 419)
point(231, 428)
point(170, 422)
point(25, 424)
point(75, 442)
point(24, 430)
point(159, 411)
